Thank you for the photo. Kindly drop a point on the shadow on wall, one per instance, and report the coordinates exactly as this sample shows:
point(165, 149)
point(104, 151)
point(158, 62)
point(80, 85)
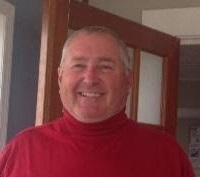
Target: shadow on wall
point(26, 48)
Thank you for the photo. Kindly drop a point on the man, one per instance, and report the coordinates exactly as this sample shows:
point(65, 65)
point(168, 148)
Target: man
point(93, 138)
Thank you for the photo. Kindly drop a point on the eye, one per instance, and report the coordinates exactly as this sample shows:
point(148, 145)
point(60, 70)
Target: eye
point(106, 67)
point(78, 66)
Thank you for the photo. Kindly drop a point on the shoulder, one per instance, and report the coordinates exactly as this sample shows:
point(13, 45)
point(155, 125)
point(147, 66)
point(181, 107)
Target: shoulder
point(47, 132)
point(31, 141)
point(42, 129)
point(163, 146)
point(156, 140)
point(152, 136)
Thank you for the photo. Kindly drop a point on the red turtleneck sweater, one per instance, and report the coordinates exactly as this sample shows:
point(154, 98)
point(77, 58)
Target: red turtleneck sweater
point(117, 147)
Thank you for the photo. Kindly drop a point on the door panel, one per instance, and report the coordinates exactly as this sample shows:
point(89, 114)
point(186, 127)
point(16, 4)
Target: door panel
point(150, 89)
point(61, 15)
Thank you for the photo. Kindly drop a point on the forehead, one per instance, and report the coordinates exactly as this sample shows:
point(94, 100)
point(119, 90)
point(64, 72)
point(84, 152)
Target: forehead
point(94, 38)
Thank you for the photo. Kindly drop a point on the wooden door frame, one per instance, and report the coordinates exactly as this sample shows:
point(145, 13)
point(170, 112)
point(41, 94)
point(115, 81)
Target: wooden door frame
point(60, 15)
point(54, 22)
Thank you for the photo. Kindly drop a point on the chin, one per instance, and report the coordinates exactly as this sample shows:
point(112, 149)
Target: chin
point(91, 118)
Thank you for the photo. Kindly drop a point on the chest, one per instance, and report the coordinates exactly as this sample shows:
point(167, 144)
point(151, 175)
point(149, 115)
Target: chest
point(117, 158)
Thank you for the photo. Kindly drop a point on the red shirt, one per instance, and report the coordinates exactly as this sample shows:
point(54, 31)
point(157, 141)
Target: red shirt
point(117, 147)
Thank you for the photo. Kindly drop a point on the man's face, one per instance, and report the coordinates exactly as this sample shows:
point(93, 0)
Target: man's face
point(92, 80)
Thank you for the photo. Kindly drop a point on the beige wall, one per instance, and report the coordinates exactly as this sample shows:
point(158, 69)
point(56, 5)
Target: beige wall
point(132, 9)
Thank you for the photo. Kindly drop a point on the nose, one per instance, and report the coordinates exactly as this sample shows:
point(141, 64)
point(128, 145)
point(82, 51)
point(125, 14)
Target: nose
point(91, 76)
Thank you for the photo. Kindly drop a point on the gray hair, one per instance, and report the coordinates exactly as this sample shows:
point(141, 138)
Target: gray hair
point(101, 30)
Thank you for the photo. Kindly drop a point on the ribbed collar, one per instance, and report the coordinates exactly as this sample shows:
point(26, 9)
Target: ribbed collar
point(108, 126)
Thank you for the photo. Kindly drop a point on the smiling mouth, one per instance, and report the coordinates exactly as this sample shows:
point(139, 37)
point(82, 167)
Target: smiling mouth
point(90, 94)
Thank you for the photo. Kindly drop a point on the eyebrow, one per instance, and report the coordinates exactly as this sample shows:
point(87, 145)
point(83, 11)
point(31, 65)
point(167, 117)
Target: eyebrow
point(100, 59)
point(79, 58)
point(106, 59)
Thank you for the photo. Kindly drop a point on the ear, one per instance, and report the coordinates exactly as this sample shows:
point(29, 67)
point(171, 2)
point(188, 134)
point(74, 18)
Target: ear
point(60, 71)
point(129, 79)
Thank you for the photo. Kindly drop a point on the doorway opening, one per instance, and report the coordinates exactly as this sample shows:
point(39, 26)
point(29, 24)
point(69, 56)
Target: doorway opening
point(189, 95)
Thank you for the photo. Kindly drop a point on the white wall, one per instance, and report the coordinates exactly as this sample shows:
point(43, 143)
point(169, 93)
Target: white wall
point(6, 41)
point(132, 9)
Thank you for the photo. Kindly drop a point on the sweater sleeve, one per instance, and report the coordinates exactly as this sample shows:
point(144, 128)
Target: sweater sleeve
point(187, 170)
point(4, 157)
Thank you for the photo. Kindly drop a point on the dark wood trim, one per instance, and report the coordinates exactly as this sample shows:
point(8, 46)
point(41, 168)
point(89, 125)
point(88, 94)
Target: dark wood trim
point(164, 90)
point(172, 78)
point(135, 83)
point(85, 1)
point(54, 21)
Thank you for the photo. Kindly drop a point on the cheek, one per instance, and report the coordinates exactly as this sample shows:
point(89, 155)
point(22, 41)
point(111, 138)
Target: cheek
point(120, 87)
point(66, 85)
point(71, 85)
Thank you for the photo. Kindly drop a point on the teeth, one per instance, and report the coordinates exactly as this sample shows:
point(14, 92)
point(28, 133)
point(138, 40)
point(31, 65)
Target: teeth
point(92, 95)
